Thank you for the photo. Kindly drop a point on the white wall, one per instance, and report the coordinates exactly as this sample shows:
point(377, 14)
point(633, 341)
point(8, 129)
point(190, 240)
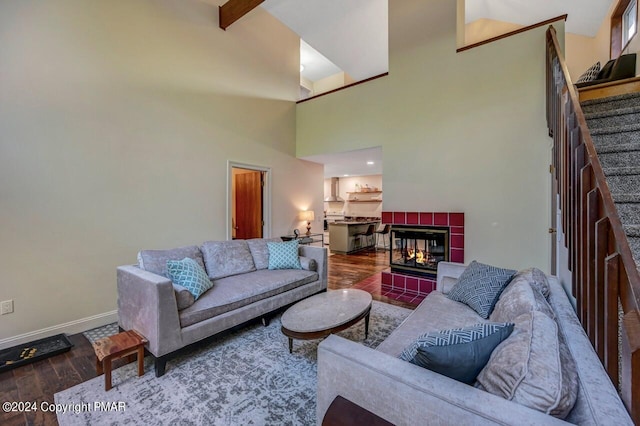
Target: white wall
point(579, 50)
point(485, 28)
point(460, 132)
point(603, 39)
point(117, 121)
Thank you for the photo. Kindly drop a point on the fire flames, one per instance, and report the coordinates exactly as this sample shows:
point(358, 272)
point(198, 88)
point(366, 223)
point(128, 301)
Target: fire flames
point(420, 256)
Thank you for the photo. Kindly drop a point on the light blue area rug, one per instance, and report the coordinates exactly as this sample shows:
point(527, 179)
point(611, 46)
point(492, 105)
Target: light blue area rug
point(246, 377)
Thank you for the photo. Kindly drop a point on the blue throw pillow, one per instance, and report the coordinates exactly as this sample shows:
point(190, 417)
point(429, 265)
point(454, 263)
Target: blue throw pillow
point(284, 255)
point(190, 275)
point(480, 286)
point(459, 353)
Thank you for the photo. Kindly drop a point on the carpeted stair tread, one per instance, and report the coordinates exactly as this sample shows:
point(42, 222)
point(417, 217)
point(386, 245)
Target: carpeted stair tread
point(634, 244)
point(614, 102)
point(619, 147)
point(628, 128)
point(623, 183)
point(632, 230)
point(626, 198)
point(614, 118)
point(613, 112)
point(622, 171)
point(614, 124)
point(616, 159)
point(629, 213)
point(602, 139)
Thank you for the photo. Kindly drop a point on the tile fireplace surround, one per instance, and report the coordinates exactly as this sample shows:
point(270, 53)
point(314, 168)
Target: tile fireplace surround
point(409, 288)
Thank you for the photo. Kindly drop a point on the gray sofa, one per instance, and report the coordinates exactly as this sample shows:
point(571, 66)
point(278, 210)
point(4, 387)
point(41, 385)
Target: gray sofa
point(406, 394)
point(243, 289)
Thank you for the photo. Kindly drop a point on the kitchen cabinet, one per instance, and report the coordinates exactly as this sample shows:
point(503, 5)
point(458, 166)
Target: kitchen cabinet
point(341, 235)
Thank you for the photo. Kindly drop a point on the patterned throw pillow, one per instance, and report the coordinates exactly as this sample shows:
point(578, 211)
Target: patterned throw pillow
point(459, 353)
point(284, 255)
point(590, 74)
point(190, 275)
point(479, 287)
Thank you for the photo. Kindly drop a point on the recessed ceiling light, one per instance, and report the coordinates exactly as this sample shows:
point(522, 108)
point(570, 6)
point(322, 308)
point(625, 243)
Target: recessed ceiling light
point(301, 67)
point(370, 163)
point(345, 175)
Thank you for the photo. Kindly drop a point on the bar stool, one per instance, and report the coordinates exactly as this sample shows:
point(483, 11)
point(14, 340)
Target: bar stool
point(368, 234)
point(383, 232)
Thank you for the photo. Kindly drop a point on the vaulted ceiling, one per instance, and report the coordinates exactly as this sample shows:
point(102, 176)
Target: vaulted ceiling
point(584, 16)
point(352, 35)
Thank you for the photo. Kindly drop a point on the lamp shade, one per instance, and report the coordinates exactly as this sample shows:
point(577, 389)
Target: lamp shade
point(307, 215)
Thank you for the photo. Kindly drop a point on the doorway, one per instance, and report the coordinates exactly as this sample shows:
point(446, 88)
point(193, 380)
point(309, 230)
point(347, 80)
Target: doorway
point(248, 201)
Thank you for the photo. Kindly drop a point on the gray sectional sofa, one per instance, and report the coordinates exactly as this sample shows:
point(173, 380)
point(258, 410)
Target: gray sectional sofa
point(406, 394)
point(243, 289)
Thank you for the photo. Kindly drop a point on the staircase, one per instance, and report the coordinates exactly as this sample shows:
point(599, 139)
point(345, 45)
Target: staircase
point(614, 124)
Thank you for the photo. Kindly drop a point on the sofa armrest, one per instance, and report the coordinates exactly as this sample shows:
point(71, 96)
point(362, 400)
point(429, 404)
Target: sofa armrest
point(406, 394)
point(319, 254)
point(448, 271)
point(147, 304)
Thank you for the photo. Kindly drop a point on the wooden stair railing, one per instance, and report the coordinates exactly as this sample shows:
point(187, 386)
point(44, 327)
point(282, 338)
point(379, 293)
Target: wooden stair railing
point(605, 278)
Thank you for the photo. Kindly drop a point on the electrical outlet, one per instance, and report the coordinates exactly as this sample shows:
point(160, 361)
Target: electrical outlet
point(6, 307)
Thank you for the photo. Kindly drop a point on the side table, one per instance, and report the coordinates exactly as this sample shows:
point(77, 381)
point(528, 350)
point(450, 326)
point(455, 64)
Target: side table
point(118, 346)
point(305, 239)
point(343, 412)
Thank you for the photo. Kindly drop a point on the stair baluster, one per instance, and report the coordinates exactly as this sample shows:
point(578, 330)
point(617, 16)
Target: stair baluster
point(596, 177)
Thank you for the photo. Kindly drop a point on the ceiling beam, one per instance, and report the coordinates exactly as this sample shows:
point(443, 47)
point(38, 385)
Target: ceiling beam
point(233, 10)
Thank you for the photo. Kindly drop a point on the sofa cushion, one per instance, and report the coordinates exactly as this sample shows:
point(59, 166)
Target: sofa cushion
point(284, 255)
point(184, 298)
point(435, 312)
point(448, 283)
point(519, 298)
point(260, 252)
point(532, 369)
point(459, 353)
point(236, 291)
point(536, 278)
point(188, 274)
point(156, 260)
point(226, 258)
point(479, 287)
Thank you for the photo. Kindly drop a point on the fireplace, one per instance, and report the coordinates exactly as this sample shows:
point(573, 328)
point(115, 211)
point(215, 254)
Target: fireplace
point(416, 250)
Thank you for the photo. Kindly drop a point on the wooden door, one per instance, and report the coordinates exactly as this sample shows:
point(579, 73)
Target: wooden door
point(248, 208)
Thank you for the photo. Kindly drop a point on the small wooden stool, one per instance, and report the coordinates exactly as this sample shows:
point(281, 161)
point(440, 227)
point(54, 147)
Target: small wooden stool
point(118, 346)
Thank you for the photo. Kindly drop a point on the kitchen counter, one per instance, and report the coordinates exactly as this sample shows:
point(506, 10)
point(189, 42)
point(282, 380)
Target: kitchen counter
point(341, 234)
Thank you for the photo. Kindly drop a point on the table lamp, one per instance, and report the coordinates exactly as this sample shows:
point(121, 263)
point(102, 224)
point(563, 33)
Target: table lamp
point(307, 216)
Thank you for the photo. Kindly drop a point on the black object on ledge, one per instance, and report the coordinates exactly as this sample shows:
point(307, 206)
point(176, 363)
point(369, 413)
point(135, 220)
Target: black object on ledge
point(615, 69)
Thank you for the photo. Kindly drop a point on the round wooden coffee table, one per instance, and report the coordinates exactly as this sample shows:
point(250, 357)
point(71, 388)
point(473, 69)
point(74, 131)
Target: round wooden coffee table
point(326, 313)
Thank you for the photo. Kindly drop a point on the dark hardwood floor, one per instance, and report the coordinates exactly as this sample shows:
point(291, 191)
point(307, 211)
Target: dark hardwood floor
point(41, 380)
point(361, 270)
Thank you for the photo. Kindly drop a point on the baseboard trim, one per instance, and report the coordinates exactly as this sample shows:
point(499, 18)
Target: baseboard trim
point(71, 327)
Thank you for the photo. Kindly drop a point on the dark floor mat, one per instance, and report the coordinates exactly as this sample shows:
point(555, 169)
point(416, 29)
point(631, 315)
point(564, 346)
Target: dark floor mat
point(33, 351)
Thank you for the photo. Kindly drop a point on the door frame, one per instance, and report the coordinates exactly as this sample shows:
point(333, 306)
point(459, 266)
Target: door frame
point(266, 196)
